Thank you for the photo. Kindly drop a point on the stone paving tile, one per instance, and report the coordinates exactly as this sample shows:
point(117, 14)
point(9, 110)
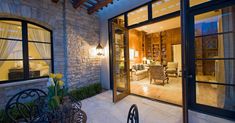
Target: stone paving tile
point(101, 109)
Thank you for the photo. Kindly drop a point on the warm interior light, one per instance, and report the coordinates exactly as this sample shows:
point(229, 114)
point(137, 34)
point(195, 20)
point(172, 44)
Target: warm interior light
point(144, 58)
point(136, 53)
point(145, 89)
point(132, 54)
point(99, 50)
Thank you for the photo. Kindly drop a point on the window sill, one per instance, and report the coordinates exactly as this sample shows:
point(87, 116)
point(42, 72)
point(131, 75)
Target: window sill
point(23, 82)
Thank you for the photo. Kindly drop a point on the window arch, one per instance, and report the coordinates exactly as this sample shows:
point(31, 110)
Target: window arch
point(25, 50)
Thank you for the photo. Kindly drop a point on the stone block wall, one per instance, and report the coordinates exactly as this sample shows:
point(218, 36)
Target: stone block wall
point(83, 35)
point(73, 38)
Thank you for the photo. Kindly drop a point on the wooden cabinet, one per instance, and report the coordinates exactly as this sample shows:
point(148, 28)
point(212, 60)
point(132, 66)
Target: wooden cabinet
point(15, 74)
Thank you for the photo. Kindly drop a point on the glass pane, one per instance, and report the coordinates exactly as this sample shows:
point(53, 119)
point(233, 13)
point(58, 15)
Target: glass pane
point(120, 68)
point(163, 7)
point(214, 95)
point(215, 46)
point(196, 2)
point(213, 22)
point(121, 82)
point(219, 71)
point(10, 49)
point(10, 29)
point(39, 68)
point(39, 51)
point(119, 20)
point(119, 53)
point(119, 37)
point(11, 70)
point(138, 15)
point(36, 33)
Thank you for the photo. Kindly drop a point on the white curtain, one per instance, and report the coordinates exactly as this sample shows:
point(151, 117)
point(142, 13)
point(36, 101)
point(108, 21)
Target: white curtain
point(229, 65)
point(41, 35)
point(8, 30)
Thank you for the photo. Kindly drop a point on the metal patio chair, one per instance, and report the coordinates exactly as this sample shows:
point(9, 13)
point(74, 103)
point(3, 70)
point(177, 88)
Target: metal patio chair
point(26, 105)
point(133, 115)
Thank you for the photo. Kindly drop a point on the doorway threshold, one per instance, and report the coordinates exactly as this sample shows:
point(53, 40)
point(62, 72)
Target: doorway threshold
point(161, 101)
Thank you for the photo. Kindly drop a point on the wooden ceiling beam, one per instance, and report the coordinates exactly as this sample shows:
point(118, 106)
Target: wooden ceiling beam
point(55, 1)
point(90, 2)
point(86, 6)
point(78, 3)
point(99, 6)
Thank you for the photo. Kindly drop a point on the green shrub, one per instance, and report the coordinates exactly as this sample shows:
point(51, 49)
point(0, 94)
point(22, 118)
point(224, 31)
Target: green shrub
point(87, 91)
point(3, 117)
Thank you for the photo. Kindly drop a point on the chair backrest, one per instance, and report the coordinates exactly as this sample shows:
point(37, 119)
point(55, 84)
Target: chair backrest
point(25, 105)
point(172, 65)
point(133, 115)
point(157, 72)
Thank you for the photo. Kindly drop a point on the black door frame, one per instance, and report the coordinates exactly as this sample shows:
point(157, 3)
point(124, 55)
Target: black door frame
point(190, 60)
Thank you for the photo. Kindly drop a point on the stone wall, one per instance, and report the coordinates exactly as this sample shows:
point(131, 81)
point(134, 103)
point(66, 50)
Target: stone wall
point(83, 35)
point(73, 39)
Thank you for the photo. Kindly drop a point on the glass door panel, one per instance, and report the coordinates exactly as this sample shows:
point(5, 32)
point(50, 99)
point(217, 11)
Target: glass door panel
point(214, 60)
point(120, 62)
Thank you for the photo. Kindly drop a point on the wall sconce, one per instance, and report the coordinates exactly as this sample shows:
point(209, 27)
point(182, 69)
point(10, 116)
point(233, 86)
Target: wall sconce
point(99, 50)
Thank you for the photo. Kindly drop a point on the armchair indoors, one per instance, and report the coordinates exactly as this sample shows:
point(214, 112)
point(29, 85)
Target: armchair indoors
point(172, 68)
point(158, 72)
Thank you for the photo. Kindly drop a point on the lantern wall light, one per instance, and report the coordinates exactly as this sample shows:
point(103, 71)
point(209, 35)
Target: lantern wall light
point(99, 50)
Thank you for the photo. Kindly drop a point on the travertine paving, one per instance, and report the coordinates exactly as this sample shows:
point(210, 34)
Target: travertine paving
point(101, 109)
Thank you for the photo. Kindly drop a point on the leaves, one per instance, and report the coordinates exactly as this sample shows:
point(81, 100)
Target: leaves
point(54, 102)
point(88, 91)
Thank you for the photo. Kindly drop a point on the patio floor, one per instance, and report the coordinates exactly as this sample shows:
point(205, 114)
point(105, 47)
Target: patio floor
point(101, 109)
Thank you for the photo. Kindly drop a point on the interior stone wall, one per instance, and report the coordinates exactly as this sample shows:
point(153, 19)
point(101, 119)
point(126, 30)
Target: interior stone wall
point(73, 37)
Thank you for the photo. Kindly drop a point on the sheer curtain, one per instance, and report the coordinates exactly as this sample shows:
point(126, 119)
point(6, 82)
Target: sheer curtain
point(44, 49)
point(228, 23)
point(8, 31)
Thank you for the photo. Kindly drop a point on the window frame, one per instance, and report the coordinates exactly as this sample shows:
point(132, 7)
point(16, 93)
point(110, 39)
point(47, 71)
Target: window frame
point(25, 51)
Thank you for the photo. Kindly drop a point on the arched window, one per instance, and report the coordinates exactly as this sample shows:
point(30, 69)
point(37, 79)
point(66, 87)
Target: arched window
point(25, 51)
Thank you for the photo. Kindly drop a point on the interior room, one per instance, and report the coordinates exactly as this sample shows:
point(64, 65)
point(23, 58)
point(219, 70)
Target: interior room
point(155, 61)
point(159, 44)
point(39, 44)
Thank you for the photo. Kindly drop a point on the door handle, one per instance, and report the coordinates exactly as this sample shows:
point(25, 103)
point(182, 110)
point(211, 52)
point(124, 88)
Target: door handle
point(190, 76)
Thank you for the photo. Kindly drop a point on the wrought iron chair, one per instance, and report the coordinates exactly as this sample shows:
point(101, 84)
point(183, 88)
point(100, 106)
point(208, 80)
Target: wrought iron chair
point(133, 115)
point(26, 105)
point(31, 106)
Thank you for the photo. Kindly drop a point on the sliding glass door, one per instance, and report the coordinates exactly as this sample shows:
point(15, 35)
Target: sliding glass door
point(213, 80)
